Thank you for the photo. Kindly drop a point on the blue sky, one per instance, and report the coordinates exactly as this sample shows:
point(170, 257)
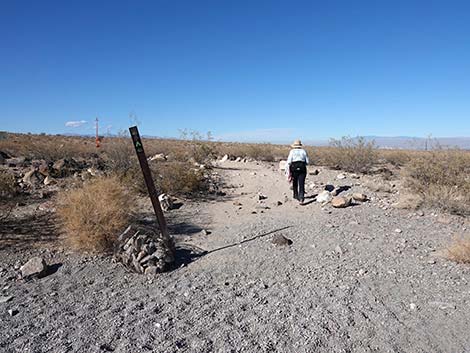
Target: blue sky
point(245, 70)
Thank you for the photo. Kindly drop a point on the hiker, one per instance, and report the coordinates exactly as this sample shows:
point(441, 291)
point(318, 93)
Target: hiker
point(297, 167)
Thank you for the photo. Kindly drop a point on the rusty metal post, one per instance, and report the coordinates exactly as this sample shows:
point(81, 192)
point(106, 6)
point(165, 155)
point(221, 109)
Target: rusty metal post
point(139, 149)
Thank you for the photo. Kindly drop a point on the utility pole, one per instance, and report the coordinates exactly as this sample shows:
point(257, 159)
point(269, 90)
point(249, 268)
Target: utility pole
point(97, 138)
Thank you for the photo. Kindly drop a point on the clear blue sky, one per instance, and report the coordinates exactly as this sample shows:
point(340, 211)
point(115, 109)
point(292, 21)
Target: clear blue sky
point(260, 70)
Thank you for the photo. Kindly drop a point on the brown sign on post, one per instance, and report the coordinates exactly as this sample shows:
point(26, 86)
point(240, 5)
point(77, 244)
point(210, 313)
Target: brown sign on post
point(139, 149)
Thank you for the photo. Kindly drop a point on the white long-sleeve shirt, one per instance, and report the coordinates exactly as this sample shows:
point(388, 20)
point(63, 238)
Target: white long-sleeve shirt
point(297, 155)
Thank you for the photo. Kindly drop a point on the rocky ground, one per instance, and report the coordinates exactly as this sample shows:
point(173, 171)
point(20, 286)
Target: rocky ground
point(365, 278)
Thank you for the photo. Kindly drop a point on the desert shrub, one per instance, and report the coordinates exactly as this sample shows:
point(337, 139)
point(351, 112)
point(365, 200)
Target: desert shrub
point(351, 154)
point(197, 147)
point(179, 178)
point(119, 154)
point(459, 249)
point(397, 158)
point(94, 214)
point(173, 177)
point(8, 186)
point(47, 147)
point(442, 178)
point(257, 151)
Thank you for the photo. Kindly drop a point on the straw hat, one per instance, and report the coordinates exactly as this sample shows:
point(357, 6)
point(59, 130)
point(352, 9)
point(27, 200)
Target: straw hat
point(297, 144)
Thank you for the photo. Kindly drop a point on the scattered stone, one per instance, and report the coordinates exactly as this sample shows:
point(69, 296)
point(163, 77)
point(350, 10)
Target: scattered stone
point(359, 197)
point(35, 267)
point(314, 172)
point(238, 159)
point(261, 197)
point(413, 307)
point(237, 203)
point(13, 312)
point(140, 251)
point(329, 187)
point(224, 158)
point(444, 219)
point(361, 272)
point(354, 176)
point(6, 299)
point(48, 180)
point(159, 157)
point(420, 213)
point(312, 185)
point(431, 262)
point(338, 250)
point(166, 202)
point(151, 270)
point(281, 240)
point(340, 202)
point(398, 230)
point(278, 203)
point(324, 196)
point(341, 176)
point(15, 162)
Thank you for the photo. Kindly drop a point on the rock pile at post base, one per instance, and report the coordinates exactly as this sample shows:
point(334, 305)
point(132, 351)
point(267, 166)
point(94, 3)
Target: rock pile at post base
point(142, 251)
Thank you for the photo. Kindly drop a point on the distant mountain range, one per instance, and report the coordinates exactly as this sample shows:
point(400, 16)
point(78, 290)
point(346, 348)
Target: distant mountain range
point(414, 143)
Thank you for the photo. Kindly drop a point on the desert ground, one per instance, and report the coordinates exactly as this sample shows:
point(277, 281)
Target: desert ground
point(366, 278)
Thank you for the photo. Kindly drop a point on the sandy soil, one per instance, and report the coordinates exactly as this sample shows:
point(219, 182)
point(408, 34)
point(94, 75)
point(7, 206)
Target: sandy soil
point(350, 282)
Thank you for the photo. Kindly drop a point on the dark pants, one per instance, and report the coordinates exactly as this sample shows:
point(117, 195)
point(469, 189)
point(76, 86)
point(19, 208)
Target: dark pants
point(298, 181)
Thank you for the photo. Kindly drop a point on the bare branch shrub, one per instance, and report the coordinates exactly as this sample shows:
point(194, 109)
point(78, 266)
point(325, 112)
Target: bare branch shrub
point(93, 215)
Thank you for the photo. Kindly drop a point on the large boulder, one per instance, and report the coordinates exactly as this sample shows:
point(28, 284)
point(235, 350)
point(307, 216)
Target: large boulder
point(35, 267)
point(340, 202)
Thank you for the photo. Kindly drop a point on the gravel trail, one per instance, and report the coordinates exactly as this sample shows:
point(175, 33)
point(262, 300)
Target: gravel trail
point(366, 278)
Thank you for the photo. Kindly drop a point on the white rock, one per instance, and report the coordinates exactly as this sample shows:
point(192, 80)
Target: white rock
point(282, 165)
point(398, 230)
point(34, 267)
point(324, 196)
point(49, 180)
point(413, 307)
point(224, 158)
point(158, 157)
point(166, 202)
point(341, 176)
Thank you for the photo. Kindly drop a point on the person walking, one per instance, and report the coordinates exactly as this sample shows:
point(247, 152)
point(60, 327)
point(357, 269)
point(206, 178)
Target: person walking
point(297, 162)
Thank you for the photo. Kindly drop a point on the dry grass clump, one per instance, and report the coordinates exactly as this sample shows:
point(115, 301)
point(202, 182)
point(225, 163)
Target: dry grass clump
point(459, 249)
point(8, 186)
point(442, 178)
point(93, 215)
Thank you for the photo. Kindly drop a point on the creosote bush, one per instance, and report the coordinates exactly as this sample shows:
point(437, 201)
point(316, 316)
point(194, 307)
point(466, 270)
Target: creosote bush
point(350, 154)
point(442, 178)
point(7, 184)
point(95, 214)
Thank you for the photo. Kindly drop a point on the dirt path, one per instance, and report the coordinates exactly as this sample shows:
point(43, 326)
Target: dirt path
point(350, 282)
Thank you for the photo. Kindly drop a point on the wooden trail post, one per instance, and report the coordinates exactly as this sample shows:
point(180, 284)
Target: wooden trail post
point(139, 149)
